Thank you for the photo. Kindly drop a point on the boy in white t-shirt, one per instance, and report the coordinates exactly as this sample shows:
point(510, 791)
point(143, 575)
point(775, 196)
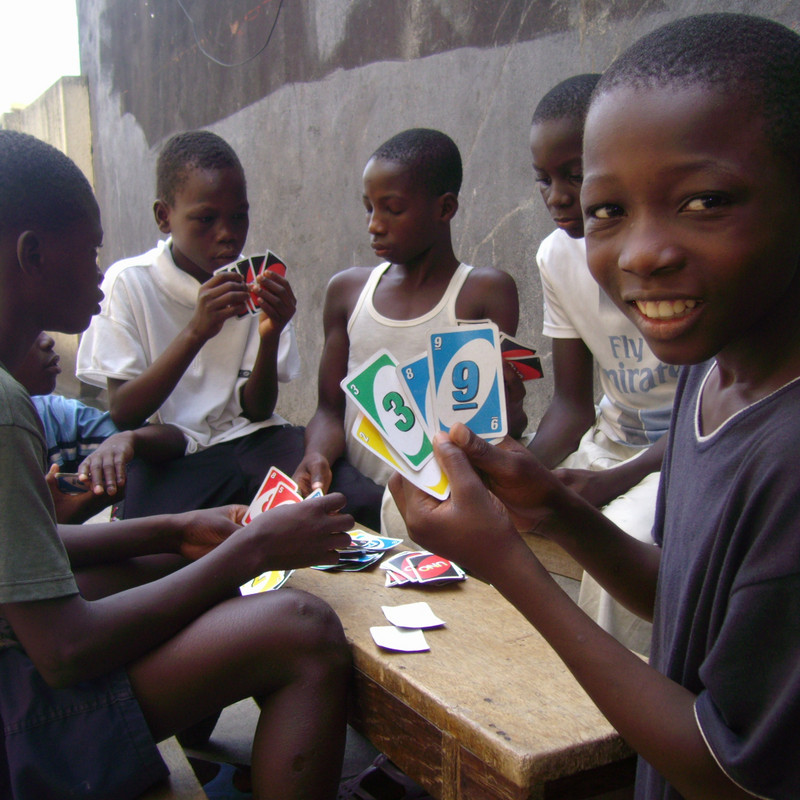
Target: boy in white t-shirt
point(612, 454)
point(168, 345)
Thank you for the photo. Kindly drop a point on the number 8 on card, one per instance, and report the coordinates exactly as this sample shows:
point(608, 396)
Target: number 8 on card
point(375, 388)
point(467, 379)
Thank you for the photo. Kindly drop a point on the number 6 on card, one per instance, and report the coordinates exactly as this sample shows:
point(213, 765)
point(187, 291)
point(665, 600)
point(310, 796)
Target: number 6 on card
point(467, 380)
point(375, 388)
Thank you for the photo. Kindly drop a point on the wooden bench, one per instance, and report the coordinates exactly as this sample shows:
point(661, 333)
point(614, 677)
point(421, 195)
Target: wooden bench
point(489, 712)
point(182, 784)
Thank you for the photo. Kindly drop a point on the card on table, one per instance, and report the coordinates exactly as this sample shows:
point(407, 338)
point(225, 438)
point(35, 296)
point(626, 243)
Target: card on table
point(467, 379)
point(266, 582)
point(377, 391)
point(430, 478)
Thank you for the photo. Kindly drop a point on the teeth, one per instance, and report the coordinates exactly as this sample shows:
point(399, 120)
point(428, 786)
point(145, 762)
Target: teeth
point(665, 309)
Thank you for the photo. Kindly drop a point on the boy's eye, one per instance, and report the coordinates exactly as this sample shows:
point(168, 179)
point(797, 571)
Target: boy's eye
point(542, 180)
point(608, 211)
point(705, 202)
point(576, 178)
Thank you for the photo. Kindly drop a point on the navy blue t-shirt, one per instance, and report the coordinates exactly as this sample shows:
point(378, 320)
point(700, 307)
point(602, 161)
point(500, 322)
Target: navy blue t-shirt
point(727, 618)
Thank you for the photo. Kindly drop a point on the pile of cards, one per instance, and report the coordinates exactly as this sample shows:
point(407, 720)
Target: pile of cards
point(364, 550)
point(403, 404)
point(421, 567)
point(251, 269)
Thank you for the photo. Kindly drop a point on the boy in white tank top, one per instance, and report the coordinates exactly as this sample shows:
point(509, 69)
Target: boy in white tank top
point(411, 186)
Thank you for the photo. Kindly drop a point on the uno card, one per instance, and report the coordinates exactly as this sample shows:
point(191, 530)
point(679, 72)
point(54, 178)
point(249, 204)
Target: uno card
point(352, 562)
point(402, 563)
point(467, 380)
point(260, 502)
point(266, 582)
point(70, 483)
point(375, 388)
point(361, 540)
point(430, 478)
point(316, 493)
point(521, 357)
point(275, 264)
point(284, 494)
point(432, 568)
point(415, 375)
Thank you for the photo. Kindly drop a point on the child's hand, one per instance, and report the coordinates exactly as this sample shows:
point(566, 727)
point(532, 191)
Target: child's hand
point(513, 474)
point(515, 398)
point(221, 297)
point(597, 487)
point(206, 528)
point(105, 469)
point(276, 301)
point(467, 527)
point(303, 534)
point(73, 508)
point(313, 472)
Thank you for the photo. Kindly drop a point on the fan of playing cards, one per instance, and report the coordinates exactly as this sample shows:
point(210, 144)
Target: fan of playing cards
point(251, 269)
point(459, 378)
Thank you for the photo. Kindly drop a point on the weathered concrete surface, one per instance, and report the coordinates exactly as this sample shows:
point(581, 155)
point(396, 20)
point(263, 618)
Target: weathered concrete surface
point(336, 80)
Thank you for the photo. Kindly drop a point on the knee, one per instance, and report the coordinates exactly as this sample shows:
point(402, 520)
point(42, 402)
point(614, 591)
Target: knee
point(314, 629)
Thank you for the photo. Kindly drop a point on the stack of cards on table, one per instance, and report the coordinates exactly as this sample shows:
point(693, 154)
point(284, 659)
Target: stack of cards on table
point(421, 567)
point(403, 404)
point(364, 550)
point(276, 489)
point(250, 269)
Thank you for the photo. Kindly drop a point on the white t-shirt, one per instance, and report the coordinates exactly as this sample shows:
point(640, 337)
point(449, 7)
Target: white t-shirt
point(638, 389)
point(148, 302)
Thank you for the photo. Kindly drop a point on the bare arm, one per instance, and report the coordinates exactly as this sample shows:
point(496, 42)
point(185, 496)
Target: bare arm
point(278, 304)
point(571, 411)
point(325, 434)
point(652, 713)
point(133, 401)
point(71, 639)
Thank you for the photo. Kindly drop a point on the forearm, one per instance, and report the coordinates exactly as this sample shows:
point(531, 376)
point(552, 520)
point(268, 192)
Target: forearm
point(157, 442)
point(109, 542)
point(325, 435)
point(559, 433)
point(133, 401)
point(260, 393)
point(653, 714)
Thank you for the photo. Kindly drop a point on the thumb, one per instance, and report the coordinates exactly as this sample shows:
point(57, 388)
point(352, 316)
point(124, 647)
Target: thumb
point(481, 454)
point(455, 461)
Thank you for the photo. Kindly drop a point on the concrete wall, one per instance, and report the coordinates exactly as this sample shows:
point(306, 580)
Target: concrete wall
point(61, 117)
point(336, 79)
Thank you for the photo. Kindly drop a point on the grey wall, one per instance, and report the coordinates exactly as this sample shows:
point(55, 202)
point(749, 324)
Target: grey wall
point(336, 79)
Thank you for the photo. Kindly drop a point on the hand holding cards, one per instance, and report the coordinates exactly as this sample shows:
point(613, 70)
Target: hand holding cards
point(251, 269)
point(404, 404)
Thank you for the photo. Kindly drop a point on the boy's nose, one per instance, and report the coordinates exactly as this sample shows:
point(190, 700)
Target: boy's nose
point(374, 225)
point(647, 251)
point(560, 196)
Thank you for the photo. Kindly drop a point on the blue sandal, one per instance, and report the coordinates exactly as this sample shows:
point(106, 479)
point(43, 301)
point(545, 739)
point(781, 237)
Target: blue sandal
point(221, 787)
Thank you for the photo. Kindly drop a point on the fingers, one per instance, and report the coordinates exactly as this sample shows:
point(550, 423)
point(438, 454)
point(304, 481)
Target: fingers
point(276, 298)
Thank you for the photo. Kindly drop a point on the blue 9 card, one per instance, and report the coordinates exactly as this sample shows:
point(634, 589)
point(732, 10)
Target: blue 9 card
point(466, 372)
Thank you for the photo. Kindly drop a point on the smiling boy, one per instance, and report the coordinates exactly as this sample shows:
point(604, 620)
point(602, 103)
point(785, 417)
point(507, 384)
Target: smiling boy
point(168, 345)
point(691, 195)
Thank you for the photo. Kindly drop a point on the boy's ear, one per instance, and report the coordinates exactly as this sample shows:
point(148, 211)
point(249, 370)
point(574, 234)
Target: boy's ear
point(448, 203)
point(29, 253)
point(161, 212)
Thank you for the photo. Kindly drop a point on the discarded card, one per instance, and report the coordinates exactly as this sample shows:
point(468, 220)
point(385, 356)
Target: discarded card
point(409, 641)
point(412, 615)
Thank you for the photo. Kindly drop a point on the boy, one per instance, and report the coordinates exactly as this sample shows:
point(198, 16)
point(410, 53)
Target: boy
point(611, 456)
point(83, 440)
point(691, 195)
point(411, 185)
point(167, 343)
point(87, 683)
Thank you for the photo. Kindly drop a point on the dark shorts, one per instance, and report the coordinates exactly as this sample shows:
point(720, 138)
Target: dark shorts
point(231, 472)
point(90, 741)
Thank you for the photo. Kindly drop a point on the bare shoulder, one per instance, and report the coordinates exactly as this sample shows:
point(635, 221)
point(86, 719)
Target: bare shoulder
point(490, 293)
point(345, 287)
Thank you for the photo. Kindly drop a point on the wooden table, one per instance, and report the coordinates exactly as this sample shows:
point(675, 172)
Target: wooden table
point(489, 712)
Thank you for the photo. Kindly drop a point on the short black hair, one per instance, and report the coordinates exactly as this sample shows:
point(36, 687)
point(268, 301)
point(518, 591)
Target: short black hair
point(747, 57)
point(568, 99)
point(40, 186)
point(431, 157)
point(191, 150)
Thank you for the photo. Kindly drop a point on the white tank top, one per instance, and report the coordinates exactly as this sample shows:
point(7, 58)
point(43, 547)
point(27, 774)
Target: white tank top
point(369, 331)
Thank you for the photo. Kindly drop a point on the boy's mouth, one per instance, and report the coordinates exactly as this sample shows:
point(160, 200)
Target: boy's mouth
point(665, 309)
